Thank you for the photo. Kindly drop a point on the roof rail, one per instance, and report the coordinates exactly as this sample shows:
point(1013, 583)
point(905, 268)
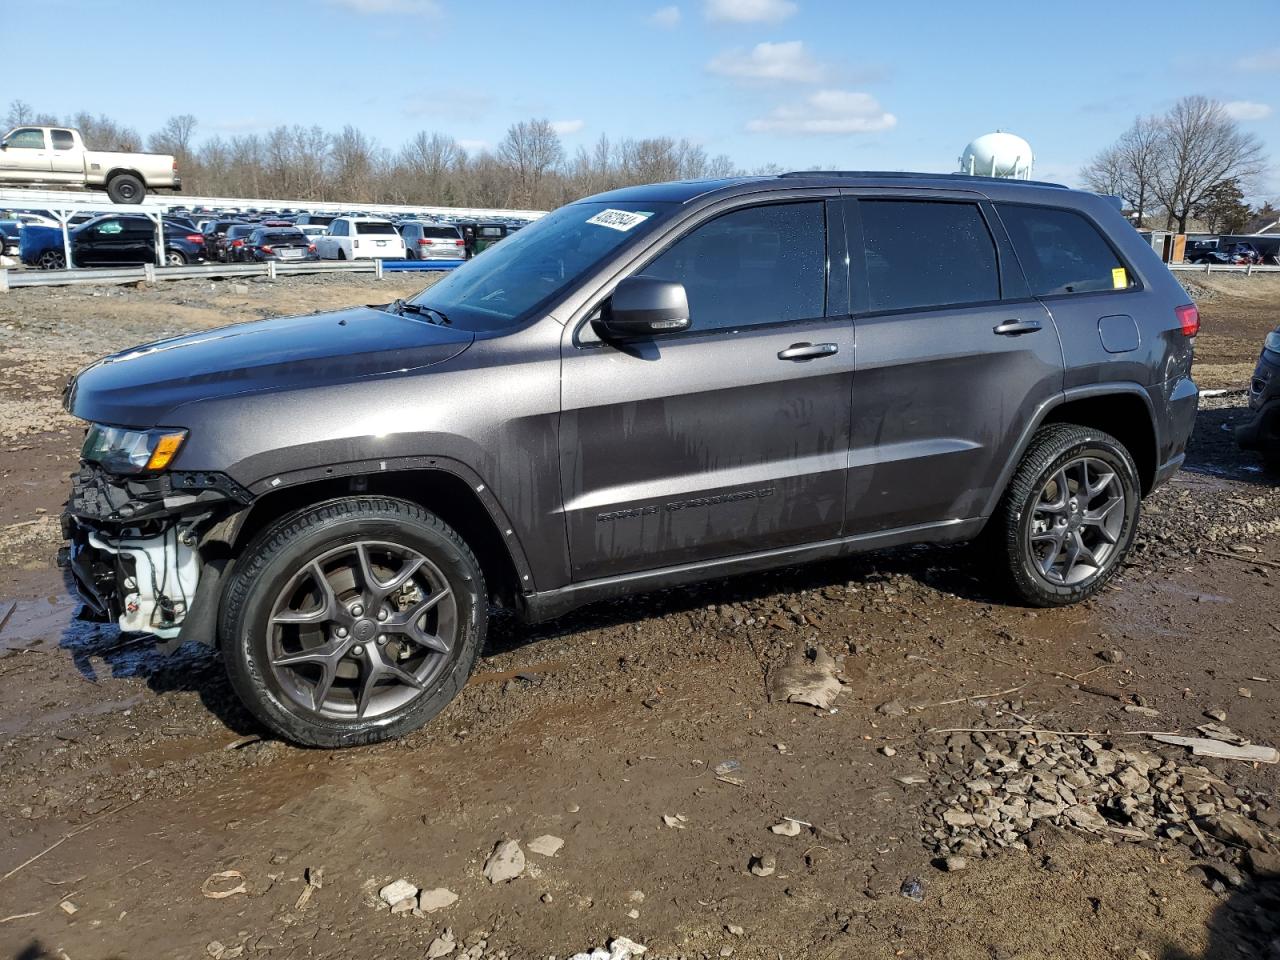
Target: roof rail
point(907, 175)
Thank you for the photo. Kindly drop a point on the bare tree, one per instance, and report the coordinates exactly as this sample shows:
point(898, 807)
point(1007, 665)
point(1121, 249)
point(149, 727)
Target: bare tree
point(1201, 147)
point(1129, 167)
point(530, 150)
point(176, 137)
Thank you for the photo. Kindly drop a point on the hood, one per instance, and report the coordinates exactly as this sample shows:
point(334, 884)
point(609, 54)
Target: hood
point(139, 386)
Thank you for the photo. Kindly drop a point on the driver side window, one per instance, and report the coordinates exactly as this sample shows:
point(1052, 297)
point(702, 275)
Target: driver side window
point(27, 138)
point(754, 266)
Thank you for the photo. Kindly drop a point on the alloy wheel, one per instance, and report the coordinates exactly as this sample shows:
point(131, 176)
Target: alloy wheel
point(362, 630)
point(1077, 517)
point(51, 260)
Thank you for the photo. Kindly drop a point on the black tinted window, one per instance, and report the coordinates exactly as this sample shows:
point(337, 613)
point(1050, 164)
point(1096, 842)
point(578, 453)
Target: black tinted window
point(62, 139)
point(1062, 252)
point(440, 233)
point(753, 266)
point(375, 227)
point(927, 254)
point(280, 237)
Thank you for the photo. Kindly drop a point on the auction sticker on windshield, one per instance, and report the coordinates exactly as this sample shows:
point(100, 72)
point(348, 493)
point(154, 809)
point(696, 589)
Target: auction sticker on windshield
point(622, 220)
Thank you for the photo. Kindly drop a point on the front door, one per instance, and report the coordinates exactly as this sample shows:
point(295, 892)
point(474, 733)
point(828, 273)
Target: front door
point(954, 358)
point(25, 155)
point(731, 437)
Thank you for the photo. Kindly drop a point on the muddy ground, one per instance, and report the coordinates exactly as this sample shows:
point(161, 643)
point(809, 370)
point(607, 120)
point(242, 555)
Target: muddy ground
point(641, 734)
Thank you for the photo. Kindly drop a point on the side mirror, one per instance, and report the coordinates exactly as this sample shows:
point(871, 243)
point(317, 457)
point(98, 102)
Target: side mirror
point(641, 308)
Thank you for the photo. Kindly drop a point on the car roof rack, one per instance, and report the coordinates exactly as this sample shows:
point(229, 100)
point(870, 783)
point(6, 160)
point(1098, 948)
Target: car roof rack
point(907, 175)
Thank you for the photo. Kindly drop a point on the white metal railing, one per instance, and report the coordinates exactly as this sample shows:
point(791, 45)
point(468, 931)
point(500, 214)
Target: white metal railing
point(162, 202)
point(1247, 269)
point(150, 273)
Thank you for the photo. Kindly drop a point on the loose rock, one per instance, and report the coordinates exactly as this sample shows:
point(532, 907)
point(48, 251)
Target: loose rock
point(505, 863)
point(546, 845)
point(396, 892)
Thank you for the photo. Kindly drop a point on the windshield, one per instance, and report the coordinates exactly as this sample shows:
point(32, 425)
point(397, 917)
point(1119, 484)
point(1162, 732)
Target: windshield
point(498, 287)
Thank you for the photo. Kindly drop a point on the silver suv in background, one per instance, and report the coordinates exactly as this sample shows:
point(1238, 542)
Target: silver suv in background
point(432, 241)
point(645, 388)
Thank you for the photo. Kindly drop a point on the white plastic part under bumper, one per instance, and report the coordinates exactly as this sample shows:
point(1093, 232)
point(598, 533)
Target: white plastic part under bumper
point(166, 574)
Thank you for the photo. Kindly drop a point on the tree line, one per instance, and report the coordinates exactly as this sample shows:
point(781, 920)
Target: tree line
point(528, 169)
point(1192, 163)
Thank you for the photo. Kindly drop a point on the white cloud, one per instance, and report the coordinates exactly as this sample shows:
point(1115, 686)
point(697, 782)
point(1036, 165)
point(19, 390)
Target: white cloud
point(1264, 61)
point(666, 17)
point(379, 7)
point(750, 11)
point(566, 127)
point(828, 111)
point(787, 62)
point(1247, 110)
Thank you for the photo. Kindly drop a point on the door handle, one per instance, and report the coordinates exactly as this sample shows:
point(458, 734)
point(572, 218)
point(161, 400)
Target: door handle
point(808, 351)
point(1015, 328)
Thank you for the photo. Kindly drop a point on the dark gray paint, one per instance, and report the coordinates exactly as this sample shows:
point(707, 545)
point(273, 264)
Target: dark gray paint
point(907, 432)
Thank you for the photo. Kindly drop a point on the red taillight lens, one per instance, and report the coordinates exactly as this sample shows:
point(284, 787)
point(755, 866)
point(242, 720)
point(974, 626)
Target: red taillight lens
point(311, 248)
point(424, 242)
point(266, 248)
point(460, 243)
point(195, 238)
point(237, 243)
point(1189, 317)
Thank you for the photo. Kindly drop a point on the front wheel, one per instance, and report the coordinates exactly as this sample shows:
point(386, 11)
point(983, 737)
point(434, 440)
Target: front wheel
point(353, 621)
point(175, 258)
point(52, 260)
point(1068, 517)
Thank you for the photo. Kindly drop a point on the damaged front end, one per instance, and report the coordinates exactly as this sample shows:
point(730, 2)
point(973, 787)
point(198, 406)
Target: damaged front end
point(147, 551)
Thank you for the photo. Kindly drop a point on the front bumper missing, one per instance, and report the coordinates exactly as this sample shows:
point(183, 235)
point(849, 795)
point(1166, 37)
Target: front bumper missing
point(139, 553)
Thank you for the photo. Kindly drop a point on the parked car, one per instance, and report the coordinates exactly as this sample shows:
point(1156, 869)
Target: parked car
point(233, 241)
point(215, 237)
point(57, 155)
point(432, 241)
point(1261, 432)
point(10, 237)
point(336, 499)
point(277, 243)
point(360, 238)
point(312, 230)
point(315, 219)
point(110, 240)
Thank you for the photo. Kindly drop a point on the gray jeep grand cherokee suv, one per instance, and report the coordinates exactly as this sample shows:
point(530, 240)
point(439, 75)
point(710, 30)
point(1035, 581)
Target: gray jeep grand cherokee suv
point(645, 388)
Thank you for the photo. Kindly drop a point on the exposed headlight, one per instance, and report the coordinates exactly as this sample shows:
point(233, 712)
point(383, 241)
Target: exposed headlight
point(119, 450)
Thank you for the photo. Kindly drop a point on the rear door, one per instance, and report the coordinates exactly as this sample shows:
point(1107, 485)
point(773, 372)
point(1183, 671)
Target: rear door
point(65, 161)
point(953, 358)
point(731, 437)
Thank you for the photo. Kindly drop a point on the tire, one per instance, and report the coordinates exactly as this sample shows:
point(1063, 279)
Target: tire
point(280, 656)
point(175, 258)
point(342, 254)
point(52, 260)
point(126, 188)
point(1035, 525)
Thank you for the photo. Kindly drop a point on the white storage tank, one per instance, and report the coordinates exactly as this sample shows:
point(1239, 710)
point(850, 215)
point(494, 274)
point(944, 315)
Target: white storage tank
point(997, 154)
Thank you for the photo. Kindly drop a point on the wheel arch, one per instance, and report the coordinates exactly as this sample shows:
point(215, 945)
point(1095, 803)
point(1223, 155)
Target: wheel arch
point(123, 171)
point(449, 490)
point(1122, 409)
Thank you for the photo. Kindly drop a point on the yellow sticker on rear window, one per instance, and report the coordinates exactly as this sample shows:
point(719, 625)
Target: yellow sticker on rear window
point(1119, 278)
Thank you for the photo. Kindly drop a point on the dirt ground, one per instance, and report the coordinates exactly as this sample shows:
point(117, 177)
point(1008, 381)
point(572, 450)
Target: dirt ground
point(640, 733)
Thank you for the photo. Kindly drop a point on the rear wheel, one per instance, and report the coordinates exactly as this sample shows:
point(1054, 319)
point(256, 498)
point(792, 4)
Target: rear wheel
point(52, 260)
point(175, 258)
point(342, 254)
point(353, 621)
point(1068, 517)
point(125, 188)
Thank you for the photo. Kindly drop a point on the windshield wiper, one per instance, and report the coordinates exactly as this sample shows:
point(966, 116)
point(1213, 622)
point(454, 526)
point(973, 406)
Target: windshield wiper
point(404, 306)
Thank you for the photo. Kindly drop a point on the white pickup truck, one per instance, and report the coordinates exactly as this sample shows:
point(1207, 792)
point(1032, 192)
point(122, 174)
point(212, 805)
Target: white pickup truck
point(56, 155)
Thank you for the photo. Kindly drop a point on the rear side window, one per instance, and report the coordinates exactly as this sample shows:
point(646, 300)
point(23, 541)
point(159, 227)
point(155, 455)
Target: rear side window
point(1062, 252)
point(922, 254)
point(375, 227)
point(753, 266)
point(62, 139)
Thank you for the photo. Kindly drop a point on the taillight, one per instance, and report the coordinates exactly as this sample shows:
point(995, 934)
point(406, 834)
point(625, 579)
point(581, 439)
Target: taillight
point(460, 243)
point(311, 248)
point(424, 242)
point(237, 243)
point(355, 243)
point(266, 248)
point(195, 238)
point(1189, 316)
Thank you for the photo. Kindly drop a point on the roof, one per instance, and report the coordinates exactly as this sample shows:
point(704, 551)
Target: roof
point(684, 191)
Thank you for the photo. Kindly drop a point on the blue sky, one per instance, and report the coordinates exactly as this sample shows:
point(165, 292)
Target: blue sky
point(850, 84)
